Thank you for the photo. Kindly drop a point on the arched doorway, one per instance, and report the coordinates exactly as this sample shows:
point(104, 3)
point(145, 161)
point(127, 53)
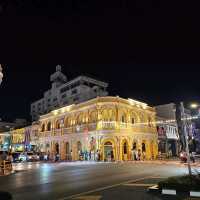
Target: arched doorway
point(79, 150)
point(125, 150)
point(67, 151)
point(57, 148)
point(108, 151)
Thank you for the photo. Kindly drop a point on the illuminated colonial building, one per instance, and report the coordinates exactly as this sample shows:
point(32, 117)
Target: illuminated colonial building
point(111, 126)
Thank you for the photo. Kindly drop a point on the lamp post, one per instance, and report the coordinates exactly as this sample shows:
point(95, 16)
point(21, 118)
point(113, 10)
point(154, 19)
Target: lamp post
point(1, 74)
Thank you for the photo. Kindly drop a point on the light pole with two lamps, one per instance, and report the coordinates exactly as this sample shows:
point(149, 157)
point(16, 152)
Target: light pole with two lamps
point(185, 118)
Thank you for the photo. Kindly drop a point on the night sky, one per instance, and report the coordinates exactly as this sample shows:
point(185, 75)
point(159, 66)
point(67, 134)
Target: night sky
point(146, 50)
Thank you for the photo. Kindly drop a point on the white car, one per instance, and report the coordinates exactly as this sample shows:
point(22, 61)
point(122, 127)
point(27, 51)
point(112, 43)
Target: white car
point(32, 157)
point(22, 157)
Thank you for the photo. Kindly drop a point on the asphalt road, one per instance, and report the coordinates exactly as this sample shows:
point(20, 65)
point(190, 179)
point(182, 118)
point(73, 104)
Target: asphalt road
point(71, 180)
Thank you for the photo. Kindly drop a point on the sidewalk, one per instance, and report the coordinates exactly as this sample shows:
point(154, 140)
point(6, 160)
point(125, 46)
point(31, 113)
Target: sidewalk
point(162, 162)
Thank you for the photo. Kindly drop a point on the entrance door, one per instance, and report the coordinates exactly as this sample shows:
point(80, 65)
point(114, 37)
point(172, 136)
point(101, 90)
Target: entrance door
point(57, 148)
point(67, 151)
point(79, 150)
point(108, 152)
point(125, 151)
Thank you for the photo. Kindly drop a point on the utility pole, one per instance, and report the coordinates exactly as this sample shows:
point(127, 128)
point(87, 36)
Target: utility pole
point(186, 137)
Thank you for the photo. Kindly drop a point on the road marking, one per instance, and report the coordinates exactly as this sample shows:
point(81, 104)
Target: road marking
point(103, 188)
point(89, 197)
point(157, 177)
point(139, 184)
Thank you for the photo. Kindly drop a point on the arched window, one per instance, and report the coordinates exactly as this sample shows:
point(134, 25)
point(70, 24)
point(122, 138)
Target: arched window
point(66, 123)
point(49, 126)
point(58, 124)
point(43, 128)
point(149, 122)
point(133, 120)
point(123, 119)
point(93, 117)
point(108, 144)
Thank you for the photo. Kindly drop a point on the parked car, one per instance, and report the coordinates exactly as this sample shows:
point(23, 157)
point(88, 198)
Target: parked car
point(32, 157)
point(22, 157)
point(15, 156)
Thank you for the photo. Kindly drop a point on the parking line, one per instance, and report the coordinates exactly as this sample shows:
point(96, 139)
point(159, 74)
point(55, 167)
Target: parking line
point(103, 188)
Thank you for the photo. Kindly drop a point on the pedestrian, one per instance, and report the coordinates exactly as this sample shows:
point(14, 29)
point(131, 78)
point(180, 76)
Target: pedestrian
point(71, 155)
point(48, 156)
point(90, 155)
point(134, 154)
point(143, 155)
point(56, 157)
point(139, 154)
point(112, 156)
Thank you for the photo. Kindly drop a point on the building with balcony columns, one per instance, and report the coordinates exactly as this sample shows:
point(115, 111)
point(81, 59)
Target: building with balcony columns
point(64, 92)
point(110, 127)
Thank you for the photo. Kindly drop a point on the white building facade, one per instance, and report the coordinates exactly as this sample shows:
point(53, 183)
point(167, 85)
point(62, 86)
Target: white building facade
point(65, 92)
point(167, 128)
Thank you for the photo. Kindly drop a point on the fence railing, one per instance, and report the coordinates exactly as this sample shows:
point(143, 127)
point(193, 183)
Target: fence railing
point(5, 167)
point(104, 125)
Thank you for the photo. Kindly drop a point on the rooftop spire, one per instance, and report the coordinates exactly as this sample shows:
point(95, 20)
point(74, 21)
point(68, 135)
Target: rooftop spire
point(58, 78)
point(58, 68)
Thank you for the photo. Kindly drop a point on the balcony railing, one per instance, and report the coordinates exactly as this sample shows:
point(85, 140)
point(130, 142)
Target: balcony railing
point(68, 130)
point(104, 125)
point(57, 132)
point(108, 124)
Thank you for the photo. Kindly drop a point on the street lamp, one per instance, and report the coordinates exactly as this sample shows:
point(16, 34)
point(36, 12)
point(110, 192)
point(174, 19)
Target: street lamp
point(194, 105)
point(1, 74)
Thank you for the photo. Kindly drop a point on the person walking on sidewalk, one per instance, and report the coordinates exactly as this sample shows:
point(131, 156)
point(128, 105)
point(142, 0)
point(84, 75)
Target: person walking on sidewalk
point(139, 154)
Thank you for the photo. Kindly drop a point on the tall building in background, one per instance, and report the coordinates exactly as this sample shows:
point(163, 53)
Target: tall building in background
point(172, 117)
point(1, 74)
point(167, 128)
point(64, 92)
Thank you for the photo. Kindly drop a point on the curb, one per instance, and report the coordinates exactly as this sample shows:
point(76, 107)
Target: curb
point(172, 192)
point(8, 174)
